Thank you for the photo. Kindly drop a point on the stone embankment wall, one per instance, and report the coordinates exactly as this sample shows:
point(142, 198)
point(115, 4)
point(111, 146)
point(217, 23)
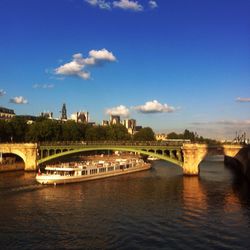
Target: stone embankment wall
point(240, 162)
point(11, 167)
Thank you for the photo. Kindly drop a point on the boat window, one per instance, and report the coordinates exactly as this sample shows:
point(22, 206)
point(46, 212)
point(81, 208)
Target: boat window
point(102, 170)
point(93, 171)
point(110, 168)
point(84, 172)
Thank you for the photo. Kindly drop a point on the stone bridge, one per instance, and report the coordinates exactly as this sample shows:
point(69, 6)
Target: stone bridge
point(27, 151)
point(188, 155)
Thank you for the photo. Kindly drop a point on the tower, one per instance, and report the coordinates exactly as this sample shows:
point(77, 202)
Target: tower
point(64, 112)
point(115, 119)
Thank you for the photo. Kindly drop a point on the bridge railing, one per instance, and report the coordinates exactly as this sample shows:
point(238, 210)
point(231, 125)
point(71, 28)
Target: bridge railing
point(114, 143)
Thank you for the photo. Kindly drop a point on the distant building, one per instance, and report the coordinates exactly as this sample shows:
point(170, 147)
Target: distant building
point(29, 118)
point(48, 115)
point(161, 137)
point(81, 117)
point(130, 124)
point(64, 113)
point(115, 119)
point(6, 114)
point(105, 123)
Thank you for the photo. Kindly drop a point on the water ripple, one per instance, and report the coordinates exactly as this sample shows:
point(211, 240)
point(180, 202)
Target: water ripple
point(158, 209)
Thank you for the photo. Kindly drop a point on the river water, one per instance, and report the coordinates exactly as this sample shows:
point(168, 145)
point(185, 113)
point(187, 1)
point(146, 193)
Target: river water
point(155, 209)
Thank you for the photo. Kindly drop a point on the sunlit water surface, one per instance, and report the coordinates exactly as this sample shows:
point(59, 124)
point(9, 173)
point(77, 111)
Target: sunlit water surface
point(155, 209)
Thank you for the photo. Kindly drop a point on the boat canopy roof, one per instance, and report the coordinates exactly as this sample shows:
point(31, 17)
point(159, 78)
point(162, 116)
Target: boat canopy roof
point(63, 169)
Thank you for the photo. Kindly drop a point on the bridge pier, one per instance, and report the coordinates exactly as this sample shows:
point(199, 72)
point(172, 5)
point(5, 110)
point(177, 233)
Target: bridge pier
point(193, 154)
point(191, 170)
point(31, 159)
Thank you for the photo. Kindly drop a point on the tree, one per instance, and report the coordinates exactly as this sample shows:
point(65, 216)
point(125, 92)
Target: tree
point(18, 128)
point(45, 130)
point(70, 131)
point(145, 134)
point(95, 133)
point(118, 132)
point(5, 132)
point(173, 135)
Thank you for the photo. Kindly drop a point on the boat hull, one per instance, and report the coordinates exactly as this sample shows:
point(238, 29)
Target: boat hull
point(57, 179)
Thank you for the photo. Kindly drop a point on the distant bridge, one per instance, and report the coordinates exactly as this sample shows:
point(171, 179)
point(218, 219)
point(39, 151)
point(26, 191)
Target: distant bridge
point(188, 155)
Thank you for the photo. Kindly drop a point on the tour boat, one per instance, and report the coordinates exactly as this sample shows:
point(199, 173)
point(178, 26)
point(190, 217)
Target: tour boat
point(89, 170)
point(151, 158)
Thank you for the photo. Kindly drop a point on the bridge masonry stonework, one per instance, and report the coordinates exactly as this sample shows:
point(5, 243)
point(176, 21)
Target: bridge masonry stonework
point(27, 151)
point(194, 154)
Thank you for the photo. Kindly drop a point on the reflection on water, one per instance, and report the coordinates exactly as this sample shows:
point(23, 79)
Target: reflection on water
point(153, 209)
point(194, 198)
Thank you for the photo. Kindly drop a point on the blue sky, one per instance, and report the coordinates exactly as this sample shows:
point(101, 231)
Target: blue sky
point(169, 64)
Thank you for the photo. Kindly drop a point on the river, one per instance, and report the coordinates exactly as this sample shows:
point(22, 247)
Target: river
point(155, 209)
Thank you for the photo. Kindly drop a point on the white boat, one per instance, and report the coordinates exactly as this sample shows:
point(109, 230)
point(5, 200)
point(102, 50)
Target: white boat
point(151, 158)
point(89, 170)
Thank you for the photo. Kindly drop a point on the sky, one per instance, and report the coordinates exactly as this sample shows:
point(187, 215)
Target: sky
point(169, 64)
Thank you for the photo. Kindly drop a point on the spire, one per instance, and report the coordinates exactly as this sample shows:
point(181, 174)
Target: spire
point(64, 112)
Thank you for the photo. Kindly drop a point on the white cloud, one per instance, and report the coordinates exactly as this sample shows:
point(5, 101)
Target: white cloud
point(243, 99)
point(97, 57)
point(128, 5)
point(234, 122)
point(43, 86)
point(119, 110)
point(19, 100)
point(2, 92)
point(154, 107)
point(225, 123)
point(153, 4)
point(73, 68)
point(122, 4)
point(78, 64)
point(102, 4)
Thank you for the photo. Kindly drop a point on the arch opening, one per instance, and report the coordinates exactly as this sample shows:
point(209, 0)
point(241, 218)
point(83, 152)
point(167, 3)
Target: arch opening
point(159, 151)
point(167, 153)
point(11, 162)
point(125, 149)
point(212, 164)
point(51, 151)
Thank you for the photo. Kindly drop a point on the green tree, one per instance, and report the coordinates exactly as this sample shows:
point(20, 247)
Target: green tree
point(45, 130)
point(70, 131)
point(145, 134)
point(173, 135)
point(5, 132)
point(18, 128)
point(118, 132)
point(96, 133)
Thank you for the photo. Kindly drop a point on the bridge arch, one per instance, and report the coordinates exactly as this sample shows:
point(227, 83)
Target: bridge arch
point(26, 151)
point(85, 149)
point(15, 152)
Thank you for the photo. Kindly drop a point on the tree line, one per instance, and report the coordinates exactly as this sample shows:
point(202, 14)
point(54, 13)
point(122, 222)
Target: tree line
point(18, 130)
point(41, 130)
point(192, 136)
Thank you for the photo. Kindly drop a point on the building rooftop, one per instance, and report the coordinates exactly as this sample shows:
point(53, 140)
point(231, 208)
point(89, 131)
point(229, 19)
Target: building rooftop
point(7, 111)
